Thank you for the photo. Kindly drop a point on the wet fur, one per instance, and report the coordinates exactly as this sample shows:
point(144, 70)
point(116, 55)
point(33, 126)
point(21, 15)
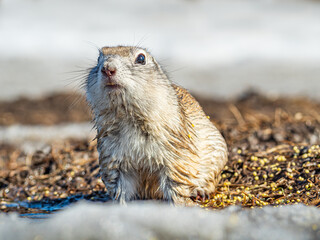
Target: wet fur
point(154, 140)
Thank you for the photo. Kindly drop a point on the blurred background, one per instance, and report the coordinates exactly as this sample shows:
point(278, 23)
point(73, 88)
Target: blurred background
point(217, 49)
point(220, 50)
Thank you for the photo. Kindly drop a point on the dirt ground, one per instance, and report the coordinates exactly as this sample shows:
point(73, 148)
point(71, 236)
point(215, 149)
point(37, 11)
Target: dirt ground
point(274, 156)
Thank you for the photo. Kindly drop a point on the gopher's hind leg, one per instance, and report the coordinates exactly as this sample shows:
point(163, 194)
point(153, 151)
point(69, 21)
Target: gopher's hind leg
point(175, 193)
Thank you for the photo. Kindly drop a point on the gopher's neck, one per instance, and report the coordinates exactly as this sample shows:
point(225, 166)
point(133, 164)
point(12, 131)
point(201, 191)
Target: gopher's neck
point(151, 116)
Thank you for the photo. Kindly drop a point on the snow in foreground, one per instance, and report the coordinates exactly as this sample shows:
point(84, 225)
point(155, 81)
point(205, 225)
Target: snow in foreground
point(154, 221)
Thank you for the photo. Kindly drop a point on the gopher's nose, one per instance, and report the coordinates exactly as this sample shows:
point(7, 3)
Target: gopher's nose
point(109, 70)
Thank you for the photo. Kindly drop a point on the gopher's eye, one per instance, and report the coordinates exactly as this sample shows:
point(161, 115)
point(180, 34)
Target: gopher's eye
point(141, 59)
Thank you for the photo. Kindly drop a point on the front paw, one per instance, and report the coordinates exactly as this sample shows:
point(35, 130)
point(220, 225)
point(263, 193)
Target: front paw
point(115, 192)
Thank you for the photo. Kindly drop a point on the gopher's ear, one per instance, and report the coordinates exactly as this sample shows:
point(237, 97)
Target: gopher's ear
point(156, 64)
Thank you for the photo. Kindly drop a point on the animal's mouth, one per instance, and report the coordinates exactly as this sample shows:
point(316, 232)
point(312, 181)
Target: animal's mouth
point(110, 82)
point(112, 85)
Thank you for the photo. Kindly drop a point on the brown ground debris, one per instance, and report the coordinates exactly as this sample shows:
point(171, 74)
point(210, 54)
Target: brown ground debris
point(274, 156)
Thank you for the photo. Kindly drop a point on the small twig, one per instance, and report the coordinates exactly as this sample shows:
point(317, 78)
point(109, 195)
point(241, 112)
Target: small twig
point(277, 116)
point(237, 114)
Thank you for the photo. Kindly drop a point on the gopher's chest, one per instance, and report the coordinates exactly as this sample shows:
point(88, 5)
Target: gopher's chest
point(138, 158)
point(131, 148)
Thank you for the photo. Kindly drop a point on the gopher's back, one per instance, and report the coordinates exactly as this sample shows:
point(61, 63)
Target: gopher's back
point(210, 147)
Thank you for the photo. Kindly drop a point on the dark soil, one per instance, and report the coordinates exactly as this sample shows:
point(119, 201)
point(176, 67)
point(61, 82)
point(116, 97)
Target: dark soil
point(55, 109)
point(274, 156)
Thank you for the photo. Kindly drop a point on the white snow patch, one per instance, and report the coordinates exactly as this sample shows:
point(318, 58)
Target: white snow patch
point(18, 134)
point(154, 221)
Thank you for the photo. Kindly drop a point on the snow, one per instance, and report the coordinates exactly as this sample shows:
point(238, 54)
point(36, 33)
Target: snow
point(41, 137)
point(156, 221)
point(22, 133)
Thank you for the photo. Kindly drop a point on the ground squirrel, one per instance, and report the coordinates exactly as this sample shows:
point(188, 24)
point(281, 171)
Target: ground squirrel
point(154, 140)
